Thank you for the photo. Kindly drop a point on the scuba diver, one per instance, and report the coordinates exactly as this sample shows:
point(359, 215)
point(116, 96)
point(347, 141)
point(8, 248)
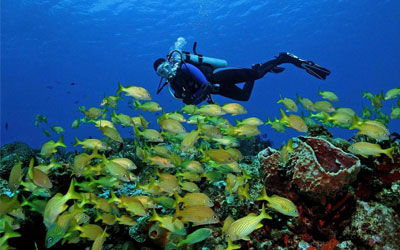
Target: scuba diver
point(194, 77)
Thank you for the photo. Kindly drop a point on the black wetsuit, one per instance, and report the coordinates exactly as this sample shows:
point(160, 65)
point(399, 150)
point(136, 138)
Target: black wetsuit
point(195, 82)
point(185, 84)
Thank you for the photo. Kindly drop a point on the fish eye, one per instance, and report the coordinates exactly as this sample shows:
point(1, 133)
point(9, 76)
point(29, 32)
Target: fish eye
point(215, 217)
point(124, 176)
point(13, 223)
point(228, 236)
point(50, 239)
point(15, 184)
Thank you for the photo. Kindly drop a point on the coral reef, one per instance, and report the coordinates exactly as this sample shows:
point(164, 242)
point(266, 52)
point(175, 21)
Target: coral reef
point(375, 226)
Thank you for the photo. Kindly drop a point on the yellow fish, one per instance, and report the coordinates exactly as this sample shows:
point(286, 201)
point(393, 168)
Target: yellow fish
point(280, 204)
point(99, 241)
point(393, 93)
point(294, 121)
point(193, 199)
point(328, 95)
point(244, 130)
point(189, 140)
point(210, 131)
point(130, 203)
point(139, 121)
point(150, 135)
point(111, 133)
point(370, 149)
point(307, 103)
point(125, 163)
point(289, 104)
point(116, 170)
point(199, 215)
point(138, 93)
point(92, 112)
point(172, 126)
point(125, 120)
point(189, 109)
point(371, 128)
point(15, 177)
point(324, 106)
point(174, 225)
point(38, 177)
point(57, 204)
point(92, 144)
point(50, 147)
point(234, 109)
point(220, 155)
point(193, 166)
point(148, 106)
point(276, 125)
point(211, 110)
point(241, 228)
point(253, 121)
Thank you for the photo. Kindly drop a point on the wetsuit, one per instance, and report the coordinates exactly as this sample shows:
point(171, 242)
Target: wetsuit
point(194, 82)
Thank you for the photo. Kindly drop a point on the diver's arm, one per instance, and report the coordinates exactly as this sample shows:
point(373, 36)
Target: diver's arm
point(201, 84)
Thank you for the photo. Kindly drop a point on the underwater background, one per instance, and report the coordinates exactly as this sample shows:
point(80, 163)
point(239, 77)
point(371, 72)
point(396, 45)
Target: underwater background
point(315, 178)
point(47, 45)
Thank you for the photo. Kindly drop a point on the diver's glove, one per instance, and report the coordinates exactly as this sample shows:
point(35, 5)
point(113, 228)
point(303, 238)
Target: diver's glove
point(311, 68)
point(202, 92)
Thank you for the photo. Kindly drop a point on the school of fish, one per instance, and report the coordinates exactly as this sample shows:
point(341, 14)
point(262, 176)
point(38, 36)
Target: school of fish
point(185, 149)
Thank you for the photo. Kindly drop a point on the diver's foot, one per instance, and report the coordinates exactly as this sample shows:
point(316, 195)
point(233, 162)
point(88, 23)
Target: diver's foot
point(311, 67)
point(267, 67)
point(277, 69)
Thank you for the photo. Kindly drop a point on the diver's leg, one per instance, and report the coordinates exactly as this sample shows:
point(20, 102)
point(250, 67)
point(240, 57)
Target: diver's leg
point(311, 68)
point(232, 91)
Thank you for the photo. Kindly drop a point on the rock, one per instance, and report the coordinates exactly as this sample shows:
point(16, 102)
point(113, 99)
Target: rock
point(11, 154)
point(315, 167)
point(375, 225)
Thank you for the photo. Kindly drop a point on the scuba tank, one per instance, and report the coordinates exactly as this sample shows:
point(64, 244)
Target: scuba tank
point(200, 59)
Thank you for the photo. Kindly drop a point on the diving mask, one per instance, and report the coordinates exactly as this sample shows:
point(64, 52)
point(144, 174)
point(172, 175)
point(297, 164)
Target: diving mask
point(165, 70)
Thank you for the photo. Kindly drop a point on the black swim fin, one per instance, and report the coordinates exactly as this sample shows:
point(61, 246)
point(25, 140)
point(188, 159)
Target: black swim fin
point(311, 68)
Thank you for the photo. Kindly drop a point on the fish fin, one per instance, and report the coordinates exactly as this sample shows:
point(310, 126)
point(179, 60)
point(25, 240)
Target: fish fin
point(259, 225)
point(227, 223)
point(264, 214)
point(120, 88)
point(72, 194)
point(263, 196)
point(246, 238)
point(388, 152)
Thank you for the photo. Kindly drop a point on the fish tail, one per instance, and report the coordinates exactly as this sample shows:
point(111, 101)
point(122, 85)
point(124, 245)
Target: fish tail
point(355, 122)
point(264, 214)
point(72, 194)
point(77, 141)
point(319, 92)
point(177, 212)
point(120, 88)
point(30, 169)
point(178, 199)
point(298, 99)
point(60, 142)
point(136, 104)
point(263, 196)
point(155, 216)
point(246, 192)
point(284, 116)
point(113, 198)
point(289, 146)
point(388, 152)
point(326, 117)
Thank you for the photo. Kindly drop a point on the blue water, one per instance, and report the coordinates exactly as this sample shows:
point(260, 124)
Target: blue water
point(47, 45)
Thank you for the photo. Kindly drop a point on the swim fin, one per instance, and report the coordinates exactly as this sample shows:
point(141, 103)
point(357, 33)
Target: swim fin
point(311, 68)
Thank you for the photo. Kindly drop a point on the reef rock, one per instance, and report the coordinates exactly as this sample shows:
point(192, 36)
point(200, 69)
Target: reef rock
point(11, 154)
point(375, 225)
point(315, 167)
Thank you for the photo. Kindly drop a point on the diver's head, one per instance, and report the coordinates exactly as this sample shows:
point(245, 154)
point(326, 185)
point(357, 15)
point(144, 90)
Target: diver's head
point(158, 62)
point(163, 68)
